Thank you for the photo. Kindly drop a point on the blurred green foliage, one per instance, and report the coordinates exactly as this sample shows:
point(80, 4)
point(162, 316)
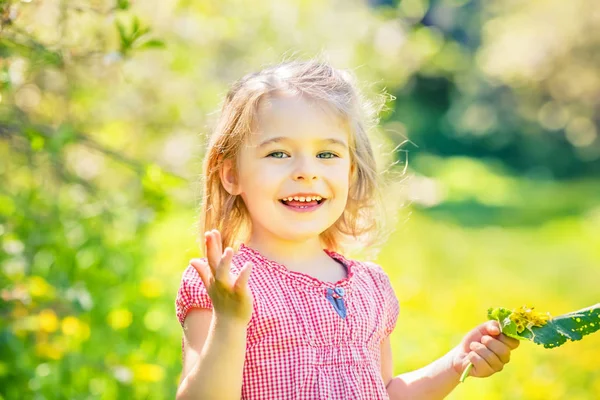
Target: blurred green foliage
point(101, 107)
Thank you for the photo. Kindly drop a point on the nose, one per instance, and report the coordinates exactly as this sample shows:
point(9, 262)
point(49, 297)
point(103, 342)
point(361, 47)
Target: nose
point(305, 169)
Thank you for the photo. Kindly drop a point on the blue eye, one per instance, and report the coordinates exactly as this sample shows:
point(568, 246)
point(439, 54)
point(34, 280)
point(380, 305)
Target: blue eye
point(326, 154)
point(277, 154)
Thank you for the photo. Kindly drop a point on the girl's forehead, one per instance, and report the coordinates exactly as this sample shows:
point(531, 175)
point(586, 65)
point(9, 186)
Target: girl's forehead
point(297, 118)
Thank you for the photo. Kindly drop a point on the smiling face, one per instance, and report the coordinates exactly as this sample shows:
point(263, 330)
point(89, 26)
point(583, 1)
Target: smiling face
point(293, 172)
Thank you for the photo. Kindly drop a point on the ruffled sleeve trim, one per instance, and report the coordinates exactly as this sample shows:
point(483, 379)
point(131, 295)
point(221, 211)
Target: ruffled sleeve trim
point(191, 294)
point(391, 305)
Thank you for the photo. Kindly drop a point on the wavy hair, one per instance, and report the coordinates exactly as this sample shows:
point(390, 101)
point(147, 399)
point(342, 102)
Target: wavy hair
point(317, 81)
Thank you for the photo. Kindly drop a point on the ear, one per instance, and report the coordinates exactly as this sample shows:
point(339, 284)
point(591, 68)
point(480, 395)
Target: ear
point(228, 177)
point(352, 175)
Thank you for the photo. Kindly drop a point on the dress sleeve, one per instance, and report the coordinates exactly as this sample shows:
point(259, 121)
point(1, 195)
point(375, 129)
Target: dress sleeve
point(391, 306)
point(191, 294)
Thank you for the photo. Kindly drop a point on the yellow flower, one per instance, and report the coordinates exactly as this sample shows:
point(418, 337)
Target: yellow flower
point(48, 321)
point(48, 350)
point(148, 372)
point(76, 328)
point(120, 318)
point(151, 287)
point(38, 287)
point(525, 318)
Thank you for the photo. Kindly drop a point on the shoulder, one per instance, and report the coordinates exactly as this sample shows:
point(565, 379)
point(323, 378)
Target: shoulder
point(190, 273)
point(371, 269)
point(387, 294)
point(190, 279)
point(191, 294)
point(373, 275)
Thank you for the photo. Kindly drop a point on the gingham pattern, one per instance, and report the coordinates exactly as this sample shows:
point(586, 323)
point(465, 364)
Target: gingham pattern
point(298, 347)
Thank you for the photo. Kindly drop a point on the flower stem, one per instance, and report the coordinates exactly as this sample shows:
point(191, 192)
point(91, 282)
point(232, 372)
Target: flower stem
point(466, 372)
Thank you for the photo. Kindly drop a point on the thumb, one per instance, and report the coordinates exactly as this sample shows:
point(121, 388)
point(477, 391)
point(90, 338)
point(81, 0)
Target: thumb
point(242, 281)
point(492, 328)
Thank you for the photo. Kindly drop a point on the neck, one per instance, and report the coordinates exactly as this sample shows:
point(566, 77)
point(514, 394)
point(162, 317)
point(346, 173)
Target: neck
point(287, 252)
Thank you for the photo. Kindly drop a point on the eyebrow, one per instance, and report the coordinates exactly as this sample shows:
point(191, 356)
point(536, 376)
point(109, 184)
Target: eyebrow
point(280, 139)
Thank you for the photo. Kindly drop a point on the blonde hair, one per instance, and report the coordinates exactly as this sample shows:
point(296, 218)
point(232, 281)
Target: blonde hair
point(319, 82)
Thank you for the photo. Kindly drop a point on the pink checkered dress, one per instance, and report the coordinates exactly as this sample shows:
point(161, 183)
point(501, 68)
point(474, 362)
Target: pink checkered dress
point(308, 339)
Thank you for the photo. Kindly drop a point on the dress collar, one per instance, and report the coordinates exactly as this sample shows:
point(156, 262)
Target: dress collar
point(253, 254)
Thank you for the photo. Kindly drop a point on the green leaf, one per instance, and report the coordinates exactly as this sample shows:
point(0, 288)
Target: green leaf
point(134, 36)
point(507, 326)
point(152, 44)
point(572, 326)
point(135, 27)
point(557, 331)
point(125, 41)
point(123, 4)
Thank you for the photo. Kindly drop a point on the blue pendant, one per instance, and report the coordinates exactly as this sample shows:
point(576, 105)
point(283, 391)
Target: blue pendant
point(335, 297)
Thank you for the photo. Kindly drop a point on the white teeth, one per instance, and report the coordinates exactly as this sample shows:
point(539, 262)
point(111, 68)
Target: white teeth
point(303, 198)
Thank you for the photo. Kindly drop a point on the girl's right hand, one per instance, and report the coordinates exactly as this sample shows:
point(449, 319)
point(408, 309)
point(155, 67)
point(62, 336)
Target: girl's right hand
point(231, 300)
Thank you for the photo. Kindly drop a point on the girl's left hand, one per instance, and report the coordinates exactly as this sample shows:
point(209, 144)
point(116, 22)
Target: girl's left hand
point(486, 348)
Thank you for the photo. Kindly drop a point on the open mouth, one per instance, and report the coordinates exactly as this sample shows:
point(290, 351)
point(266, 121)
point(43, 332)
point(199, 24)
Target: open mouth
point(303, 203)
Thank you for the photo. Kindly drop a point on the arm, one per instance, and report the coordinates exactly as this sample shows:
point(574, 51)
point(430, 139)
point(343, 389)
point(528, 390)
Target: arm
point(213, 362)
point(483, 346)
point(435, 381)
point(215, 341)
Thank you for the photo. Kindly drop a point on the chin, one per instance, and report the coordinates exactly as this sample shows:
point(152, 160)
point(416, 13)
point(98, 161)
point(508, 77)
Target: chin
point(301, 236)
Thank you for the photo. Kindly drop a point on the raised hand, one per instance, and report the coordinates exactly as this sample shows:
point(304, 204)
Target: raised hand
point(486, 348)
point(231, 296)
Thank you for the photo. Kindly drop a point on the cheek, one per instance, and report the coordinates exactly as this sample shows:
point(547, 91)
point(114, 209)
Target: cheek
point(343, 177)
point(257, 186)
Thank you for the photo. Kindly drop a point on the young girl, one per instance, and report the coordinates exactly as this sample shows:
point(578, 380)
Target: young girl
point(290, 174)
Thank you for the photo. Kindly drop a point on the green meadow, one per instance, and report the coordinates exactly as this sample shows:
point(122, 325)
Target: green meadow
point(488, 111)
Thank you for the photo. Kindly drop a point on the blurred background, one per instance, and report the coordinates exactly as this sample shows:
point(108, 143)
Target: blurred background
point(104, 110)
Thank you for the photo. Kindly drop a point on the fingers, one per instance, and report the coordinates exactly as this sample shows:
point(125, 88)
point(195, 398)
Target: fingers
point(499, 348)
point(203, 270)
point(213, 250)
point(222, 272)
point(218, 241)
point(481, 368)
point(492, 361)
point(490, 328)
point(510, 342)
point(241, 282)
point(488, 349)
point(490, 356)
point(231, 296)
point(218, 261)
